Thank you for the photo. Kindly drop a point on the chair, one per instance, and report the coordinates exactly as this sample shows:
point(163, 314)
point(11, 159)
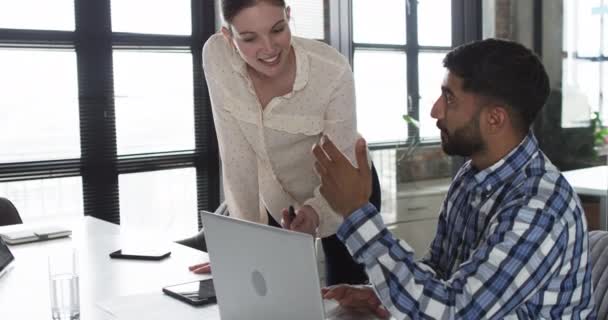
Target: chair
point(598, 254)
point(198, 241)
point(8, 213)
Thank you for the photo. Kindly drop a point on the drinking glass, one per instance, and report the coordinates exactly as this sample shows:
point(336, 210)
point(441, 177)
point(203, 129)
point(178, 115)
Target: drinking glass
point(63, 283)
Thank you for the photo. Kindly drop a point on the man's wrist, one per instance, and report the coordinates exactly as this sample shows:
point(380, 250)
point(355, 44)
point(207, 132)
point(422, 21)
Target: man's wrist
point(354, 208)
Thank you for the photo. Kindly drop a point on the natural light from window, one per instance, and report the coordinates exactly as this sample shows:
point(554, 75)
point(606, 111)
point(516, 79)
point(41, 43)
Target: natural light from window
point(307, 18)
point(39, 105)
point(159, 202)
point(45, 198)
point(379, 23)
point(381, 86)
point(584, 75)
point(152, 16)
point(435, 23)
point(431, 74)
point(37, 14)
point(154, 101)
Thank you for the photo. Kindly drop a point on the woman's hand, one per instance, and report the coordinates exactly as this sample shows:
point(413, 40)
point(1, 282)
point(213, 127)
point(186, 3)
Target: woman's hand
point(306, 220)
point(357, 297)
point(201, 268)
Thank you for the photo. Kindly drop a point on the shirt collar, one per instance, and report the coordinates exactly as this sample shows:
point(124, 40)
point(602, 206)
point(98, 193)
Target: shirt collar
point(302, 65)
point(506, 167)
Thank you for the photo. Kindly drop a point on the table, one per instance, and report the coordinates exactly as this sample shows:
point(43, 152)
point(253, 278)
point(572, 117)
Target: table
point(24, 290)
point(592, 181)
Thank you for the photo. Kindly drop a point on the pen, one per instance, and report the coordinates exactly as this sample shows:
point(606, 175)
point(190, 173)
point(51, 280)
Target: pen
point(292, 213)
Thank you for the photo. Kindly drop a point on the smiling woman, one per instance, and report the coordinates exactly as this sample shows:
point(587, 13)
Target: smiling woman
point(273, 96)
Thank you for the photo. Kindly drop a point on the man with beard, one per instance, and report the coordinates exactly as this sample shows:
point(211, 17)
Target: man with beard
point(511, 239)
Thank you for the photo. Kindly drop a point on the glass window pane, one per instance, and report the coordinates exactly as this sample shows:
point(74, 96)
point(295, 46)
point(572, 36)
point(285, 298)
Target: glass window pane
point(373, 23)
point(37, 14)
point(161, 202)
point(307, 18)
point(587, 27)
point(60, 197)
point(39, 102)
point(580, 92)
point(154, 101)
point(381, 87)
point(435, 23)
point(152, 16)
point(431, 73)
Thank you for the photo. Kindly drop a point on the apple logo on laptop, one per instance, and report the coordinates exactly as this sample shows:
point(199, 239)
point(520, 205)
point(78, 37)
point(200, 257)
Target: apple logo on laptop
point(259, 283)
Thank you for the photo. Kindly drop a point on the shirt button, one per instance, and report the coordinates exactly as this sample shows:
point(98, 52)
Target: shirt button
point(488, 187)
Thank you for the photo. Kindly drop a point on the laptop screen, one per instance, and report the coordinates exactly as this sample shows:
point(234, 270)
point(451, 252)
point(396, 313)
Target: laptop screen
point(6, 257)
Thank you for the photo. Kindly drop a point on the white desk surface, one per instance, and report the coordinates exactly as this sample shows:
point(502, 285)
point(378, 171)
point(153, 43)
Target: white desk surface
point(591, 181)
point(24, 290)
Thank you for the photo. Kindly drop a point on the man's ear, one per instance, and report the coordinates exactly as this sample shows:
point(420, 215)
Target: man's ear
point(497, 117)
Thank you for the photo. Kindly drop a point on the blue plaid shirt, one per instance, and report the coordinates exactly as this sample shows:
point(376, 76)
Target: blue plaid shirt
point(511, 242)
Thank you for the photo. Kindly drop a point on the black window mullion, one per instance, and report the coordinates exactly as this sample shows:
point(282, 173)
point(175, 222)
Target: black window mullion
point(133, 40)
point(97, 118)
point(36, 38)
point(207, 153)
point(412, 67)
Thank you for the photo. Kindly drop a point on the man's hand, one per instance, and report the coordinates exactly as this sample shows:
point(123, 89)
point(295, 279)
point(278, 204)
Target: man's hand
point(306, 220)
point(345, 187)
point(357, 297)
point(202, 268)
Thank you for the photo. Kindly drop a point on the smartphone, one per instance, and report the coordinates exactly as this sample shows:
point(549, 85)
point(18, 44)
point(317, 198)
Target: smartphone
point(196, 293)
point(140, 254)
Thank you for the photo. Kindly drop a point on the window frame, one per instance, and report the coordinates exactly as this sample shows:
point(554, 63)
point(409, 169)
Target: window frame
point(99, 165)
point(466, 26)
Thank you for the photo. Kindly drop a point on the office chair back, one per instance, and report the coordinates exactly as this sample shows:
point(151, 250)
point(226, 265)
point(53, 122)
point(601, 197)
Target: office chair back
point(598, 254)
point(8, 213)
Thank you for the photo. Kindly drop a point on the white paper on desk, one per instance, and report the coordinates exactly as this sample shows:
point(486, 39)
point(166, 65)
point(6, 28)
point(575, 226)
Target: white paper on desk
point(155, 306)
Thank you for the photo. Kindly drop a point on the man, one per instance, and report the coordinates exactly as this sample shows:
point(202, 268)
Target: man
point(511, 238)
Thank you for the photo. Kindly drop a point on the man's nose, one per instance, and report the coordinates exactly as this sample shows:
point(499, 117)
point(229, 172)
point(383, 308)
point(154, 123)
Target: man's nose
point(438, 109)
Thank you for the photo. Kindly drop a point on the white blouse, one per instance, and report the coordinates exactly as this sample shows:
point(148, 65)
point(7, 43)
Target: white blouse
point(266, 153)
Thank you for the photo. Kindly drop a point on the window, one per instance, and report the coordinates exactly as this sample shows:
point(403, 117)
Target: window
point(153, 17)
point(585, 73)
point(159, 202)
point(153, 110)
point(40, 103)
point(398, 49)
point(108, 115)
point(308, 18)
point(37, 14)
point(45, 198)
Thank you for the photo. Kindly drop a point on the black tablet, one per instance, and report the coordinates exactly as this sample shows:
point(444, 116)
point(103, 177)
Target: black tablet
point(140, 254)
point(196, 293)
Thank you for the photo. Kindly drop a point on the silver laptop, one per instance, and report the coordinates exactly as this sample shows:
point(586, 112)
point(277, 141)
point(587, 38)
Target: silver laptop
point(262, 272)
point(6, 258)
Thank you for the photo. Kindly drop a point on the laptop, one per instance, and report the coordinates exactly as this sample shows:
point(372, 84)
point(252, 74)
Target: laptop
point(262, 272)
point(6, 258)
point(35, 234)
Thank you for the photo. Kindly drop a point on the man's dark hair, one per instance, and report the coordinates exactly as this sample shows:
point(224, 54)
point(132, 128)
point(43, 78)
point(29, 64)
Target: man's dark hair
point(230, 8)
point(505, 71)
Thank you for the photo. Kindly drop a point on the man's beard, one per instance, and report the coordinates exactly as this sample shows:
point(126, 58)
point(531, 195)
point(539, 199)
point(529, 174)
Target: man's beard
point(465, 141)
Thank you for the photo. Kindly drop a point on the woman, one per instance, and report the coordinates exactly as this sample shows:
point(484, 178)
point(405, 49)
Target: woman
point(273, 96)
